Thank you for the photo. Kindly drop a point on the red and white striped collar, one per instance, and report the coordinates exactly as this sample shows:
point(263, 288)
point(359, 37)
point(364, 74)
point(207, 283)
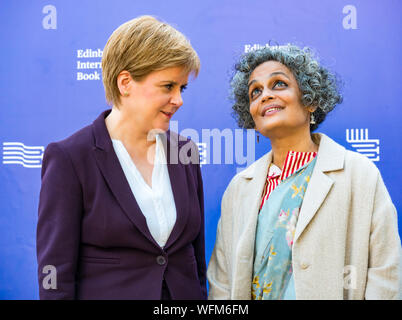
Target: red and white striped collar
point(293, 162)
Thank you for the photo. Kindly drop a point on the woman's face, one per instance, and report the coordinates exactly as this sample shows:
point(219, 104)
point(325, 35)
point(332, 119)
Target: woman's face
point(153, 101)
point(275, 101)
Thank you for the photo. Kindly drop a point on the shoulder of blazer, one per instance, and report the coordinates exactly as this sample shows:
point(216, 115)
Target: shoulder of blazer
point(80, 144)
point(83, 138)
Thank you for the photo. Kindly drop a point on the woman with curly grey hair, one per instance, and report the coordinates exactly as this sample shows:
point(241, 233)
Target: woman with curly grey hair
point(309, 219)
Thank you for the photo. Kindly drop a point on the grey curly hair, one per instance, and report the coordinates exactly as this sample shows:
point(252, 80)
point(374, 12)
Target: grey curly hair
point(318, 86)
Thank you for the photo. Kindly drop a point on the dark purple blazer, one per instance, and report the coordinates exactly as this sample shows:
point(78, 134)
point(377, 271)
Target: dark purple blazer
point(93, 232)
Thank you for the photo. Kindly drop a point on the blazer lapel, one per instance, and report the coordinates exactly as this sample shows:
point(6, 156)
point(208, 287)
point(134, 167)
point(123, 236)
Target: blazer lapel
point(178, 182)
point(113, 173)
point(330, 157)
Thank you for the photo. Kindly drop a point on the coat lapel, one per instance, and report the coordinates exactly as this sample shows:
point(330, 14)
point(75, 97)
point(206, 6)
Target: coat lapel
point(255, 177)
point(113, 173)
point(330, 157)
point(316, 192)
point(178, 181)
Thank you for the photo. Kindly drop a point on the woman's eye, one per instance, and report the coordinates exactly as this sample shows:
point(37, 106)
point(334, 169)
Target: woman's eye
point(183, 88)
point(254, 92)
point(280, 83)
point(169, 86)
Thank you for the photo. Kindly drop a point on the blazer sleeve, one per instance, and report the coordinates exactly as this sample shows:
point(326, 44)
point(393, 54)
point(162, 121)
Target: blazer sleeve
point(383, 278)
point(199, 242)
point(58, 228)
point(219, 286)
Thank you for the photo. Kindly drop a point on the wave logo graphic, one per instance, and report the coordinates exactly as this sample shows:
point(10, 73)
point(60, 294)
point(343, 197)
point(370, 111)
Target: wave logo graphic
point(359, 140)
point(18, 153)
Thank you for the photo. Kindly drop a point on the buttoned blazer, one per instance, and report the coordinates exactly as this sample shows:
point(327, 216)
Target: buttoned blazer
point(92, 232)
point(346, 242)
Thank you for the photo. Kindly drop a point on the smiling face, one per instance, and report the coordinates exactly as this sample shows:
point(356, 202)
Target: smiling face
point(275, 103)
point(152, 102)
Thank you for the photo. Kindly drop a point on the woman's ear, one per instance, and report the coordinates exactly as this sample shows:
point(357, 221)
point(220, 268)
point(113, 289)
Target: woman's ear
point(124, 83)
point(312, 108)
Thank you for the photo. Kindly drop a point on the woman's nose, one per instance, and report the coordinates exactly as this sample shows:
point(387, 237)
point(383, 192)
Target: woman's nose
point(267, 95)
point(177, 99)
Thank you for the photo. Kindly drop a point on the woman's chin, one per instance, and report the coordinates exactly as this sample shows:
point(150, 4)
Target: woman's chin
point(268, 127)
point(161, 128)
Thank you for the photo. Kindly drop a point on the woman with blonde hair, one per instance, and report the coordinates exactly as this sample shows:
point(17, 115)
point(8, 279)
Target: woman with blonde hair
point(121, 213)
point(309, 219)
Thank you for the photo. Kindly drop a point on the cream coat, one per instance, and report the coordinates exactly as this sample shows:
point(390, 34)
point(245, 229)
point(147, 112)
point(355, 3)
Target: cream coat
point(346, 243)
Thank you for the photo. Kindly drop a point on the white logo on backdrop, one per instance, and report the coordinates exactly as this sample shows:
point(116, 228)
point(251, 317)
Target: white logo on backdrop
point(350, 20)
point(50, 20)
point(359, 140)
point(256, 46)
point(18, 153)
point(90, 68)
point(252, 47)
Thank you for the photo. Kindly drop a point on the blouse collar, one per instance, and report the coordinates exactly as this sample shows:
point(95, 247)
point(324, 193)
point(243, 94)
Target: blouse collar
point(294, 161)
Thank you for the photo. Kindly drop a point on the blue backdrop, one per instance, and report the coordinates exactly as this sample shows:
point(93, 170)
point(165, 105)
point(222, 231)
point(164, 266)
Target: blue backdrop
point(51, 87)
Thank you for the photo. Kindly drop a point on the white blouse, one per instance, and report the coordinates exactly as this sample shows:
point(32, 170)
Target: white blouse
point(156, 203)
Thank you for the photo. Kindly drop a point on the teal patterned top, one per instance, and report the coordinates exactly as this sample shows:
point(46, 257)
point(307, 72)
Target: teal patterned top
point(272, 274)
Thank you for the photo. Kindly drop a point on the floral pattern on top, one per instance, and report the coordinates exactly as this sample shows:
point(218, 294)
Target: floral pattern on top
point(276, 228)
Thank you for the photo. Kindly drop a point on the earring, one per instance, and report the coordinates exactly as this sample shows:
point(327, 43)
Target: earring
point(258, 137)
point(125, 94)
point(312, 118)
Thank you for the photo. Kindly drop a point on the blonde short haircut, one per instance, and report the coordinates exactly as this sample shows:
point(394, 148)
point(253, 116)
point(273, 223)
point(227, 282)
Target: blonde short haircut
point(141, 46)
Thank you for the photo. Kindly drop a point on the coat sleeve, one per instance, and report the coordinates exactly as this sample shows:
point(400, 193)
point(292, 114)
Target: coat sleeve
point(383, 278)
point(219, 285)
point(58, 228)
